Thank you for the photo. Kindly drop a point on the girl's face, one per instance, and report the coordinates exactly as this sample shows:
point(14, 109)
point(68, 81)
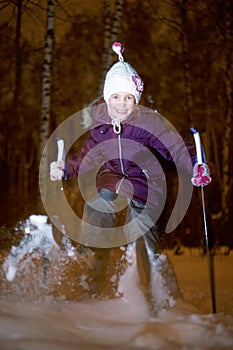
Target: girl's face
point(121, 105)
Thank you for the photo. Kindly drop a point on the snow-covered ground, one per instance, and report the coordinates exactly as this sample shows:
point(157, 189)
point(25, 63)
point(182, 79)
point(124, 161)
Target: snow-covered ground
point(30, 320)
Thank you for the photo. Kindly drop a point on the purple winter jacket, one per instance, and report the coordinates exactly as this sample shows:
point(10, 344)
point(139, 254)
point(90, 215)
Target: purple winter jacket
point(126, 162)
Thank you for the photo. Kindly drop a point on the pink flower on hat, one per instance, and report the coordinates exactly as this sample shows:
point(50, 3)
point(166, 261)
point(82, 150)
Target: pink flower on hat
point(138, 82)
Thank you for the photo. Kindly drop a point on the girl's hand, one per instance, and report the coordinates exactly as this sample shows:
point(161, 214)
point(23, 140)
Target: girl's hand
point(57, 170)
point(201, 175)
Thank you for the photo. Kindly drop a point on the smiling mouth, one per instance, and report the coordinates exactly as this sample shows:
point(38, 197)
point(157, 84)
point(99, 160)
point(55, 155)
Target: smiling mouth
point(121, 112)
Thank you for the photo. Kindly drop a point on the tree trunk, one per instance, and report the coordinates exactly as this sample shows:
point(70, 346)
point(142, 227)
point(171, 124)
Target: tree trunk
point(187, 80)
point(15, 154)
point(46, 92)
point(110, 35)
point(227, 149)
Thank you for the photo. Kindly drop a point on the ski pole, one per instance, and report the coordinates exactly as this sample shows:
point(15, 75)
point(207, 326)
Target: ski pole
point(200, 157)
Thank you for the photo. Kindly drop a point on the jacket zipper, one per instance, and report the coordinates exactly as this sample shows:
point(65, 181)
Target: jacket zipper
point(117, 130)
point(122, 165)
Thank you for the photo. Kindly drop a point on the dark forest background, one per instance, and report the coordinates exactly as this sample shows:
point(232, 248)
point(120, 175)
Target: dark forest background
point(181, 48)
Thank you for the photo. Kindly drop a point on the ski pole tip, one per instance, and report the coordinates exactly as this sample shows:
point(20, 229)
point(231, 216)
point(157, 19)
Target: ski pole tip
point(194, 131)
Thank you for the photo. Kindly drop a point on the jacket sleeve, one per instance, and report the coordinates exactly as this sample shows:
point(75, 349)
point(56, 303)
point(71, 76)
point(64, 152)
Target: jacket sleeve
point(169, 143)
point(85, 160)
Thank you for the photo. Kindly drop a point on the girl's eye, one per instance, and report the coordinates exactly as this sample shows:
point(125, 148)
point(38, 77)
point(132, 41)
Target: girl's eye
point(130, 98)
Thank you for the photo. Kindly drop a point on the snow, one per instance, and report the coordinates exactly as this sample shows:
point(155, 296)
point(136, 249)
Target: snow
point(30, 318)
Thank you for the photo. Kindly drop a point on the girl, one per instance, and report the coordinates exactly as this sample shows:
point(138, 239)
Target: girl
point(121, 155)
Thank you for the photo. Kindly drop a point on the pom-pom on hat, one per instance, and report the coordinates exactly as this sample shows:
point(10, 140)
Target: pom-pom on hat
point(122, 77)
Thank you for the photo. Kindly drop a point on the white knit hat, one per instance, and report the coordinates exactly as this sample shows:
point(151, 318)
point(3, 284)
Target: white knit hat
point(122, 77)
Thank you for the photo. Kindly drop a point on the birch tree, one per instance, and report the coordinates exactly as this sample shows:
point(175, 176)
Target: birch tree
point(111, 30)
point(46, 90)
point(46, 77)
